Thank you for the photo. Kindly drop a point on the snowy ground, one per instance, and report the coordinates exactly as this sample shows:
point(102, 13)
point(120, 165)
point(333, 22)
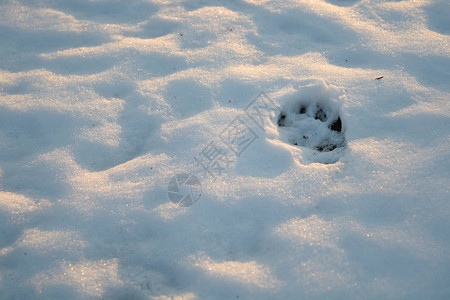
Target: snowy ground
point(103, 102)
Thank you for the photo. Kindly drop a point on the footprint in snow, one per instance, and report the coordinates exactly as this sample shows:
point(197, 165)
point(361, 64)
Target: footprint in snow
point(315, 124)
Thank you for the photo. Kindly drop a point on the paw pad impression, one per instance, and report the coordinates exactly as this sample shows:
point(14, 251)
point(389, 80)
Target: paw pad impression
point(312, 120)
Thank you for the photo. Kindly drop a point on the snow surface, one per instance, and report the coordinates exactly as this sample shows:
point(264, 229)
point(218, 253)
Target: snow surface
point(103, 102)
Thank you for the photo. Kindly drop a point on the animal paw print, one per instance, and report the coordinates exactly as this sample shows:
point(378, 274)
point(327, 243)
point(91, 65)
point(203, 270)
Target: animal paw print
point(314, 125)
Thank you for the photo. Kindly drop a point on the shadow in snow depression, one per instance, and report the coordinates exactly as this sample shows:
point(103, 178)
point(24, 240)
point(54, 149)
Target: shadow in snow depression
point(22, 48)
